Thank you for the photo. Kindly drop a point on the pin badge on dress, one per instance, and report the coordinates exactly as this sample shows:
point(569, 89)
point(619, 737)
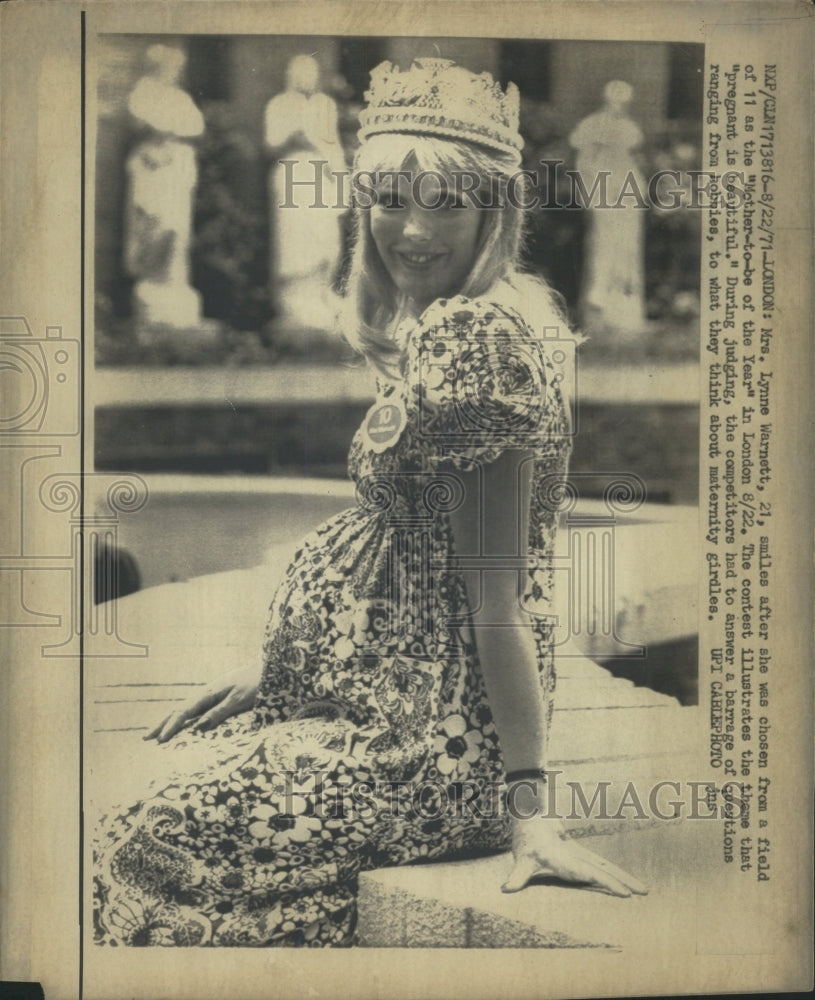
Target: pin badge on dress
point(384, 424)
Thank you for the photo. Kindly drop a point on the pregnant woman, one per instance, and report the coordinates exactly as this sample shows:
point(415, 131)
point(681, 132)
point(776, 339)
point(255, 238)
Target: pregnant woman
point(401, 709)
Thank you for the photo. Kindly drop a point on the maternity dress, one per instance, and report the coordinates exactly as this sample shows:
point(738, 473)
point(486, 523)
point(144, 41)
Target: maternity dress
point(371, 742)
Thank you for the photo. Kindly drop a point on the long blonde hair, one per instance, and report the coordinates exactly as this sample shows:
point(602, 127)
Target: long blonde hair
point(373, 304)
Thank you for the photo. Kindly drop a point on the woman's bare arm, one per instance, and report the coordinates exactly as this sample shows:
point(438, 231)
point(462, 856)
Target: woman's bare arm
point(493, 521)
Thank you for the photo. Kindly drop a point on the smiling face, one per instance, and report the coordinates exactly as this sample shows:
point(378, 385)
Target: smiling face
point(426, 236)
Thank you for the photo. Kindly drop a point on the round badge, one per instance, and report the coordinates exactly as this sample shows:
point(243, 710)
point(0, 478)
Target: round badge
point(384, 425)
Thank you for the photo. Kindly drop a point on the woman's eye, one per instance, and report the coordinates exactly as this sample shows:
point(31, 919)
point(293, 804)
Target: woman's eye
point(390, 201)
point(449, 198)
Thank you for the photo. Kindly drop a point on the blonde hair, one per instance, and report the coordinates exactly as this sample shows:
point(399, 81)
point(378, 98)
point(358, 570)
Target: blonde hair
point(373, 304)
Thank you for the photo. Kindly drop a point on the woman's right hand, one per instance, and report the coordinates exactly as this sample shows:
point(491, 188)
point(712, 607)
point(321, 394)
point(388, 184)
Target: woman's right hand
point(232, 694)
point(540, 848)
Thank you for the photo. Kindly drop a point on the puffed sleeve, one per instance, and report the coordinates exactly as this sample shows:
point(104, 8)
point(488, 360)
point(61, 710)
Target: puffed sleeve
point(481, 383)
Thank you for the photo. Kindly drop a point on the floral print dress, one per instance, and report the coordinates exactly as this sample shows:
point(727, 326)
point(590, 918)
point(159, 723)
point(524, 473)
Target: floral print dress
point(371, 742)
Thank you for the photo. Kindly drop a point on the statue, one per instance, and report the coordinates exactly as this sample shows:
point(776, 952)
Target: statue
point(301, 126)
point(162, 175)
point(613, 295)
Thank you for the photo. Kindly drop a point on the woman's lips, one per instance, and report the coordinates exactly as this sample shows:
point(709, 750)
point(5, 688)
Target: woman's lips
point(419, 258)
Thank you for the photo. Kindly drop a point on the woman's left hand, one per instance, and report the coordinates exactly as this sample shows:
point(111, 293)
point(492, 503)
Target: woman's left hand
point(539, 850)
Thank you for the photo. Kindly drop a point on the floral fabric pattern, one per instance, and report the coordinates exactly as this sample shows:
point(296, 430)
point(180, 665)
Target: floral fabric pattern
point(370, 682)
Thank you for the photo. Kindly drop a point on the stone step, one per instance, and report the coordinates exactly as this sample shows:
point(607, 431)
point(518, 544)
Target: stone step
point(122, 708)
point(460, 904)
point(597, 734)
point(117, 704)
point(604, 730)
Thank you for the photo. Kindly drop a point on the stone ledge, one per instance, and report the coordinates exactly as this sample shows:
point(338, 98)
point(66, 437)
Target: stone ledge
point(460, 904)
point(644, 382)
point(392, 917)
point(604, 730)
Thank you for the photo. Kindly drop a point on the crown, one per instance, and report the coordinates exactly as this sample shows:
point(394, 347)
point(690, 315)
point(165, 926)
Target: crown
point(437, 97)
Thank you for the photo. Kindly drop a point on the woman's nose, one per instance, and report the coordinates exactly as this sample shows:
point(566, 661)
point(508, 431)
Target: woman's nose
point(418, 226)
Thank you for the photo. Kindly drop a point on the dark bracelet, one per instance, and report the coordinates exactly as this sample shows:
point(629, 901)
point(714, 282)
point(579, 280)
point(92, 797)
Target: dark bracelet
point(531, 774)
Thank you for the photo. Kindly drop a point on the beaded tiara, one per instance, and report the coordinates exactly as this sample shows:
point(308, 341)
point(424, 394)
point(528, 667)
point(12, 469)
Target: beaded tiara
point(437, 97)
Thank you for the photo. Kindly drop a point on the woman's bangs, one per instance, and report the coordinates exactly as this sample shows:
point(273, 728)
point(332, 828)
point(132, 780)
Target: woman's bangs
point(385, 153)
point(424, 154)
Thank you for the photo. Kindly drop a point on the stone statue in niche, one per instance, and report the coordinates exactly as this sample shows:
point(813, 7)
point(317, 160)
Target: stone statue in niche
point(613, 292)
point(300, 128)
point(162, 175)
